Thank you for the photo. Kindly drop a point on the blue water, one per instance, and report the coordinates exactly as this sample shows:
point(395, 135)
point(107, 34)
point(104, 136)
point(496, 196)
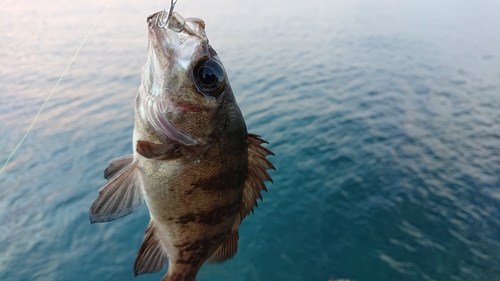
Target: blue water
point(384, 117)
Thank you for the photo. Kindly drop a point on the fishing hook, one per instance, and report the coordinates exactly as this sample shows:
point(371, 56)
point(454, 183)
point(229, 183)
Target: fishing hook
point(160, 22)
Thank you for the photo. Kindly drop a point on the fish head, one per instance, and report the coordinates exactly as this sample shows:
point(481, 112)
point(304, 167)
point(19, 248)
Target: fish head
point(184, 84)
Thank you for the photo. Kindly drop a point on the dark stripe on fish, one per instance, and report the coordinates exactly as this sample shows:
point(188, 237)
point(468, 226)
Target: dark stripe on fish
point(211, 217)
point(218, 182)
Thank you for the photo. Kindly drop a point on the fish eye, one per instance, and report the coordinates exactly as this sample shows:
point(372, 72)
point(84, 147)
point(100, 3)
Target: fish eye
point(210, 77)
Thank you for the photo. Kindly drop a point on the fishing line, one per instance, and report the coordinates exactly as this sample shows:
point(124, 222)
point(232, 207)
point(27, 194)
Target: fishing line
point(55, 87)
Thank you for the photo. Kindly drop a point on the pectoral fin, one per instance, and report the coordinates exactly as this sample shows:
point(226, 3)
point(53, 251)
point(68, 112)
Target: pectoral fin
point(118, 197)
point(117, 164)
point(256, 174)
point(163, 151)
point(151, 256)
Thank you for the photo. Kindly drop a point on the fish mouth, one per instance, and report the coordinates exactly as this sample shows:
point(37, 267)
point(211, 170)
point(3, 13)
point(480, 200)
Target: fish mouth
point(178, 42)
point(174, 46)
point(176, 23)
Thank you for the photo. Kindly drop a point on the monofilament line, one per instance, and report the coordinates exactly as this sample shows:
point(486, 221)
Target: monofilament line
point(55, 87)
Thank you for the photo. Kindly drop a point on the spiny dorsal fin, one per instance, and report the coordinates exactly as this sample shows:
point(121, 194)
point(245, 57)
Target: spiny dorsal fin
point(118, 197)
point(157, 151)
point(254, 183)
point(228, 247)
point(256, 175)
point(117, 164)
point(151, 256)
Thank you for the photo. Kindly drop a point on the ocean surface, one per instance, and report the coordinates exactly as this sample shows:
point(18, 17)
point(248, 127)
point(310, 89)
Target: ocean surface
point(384, 117)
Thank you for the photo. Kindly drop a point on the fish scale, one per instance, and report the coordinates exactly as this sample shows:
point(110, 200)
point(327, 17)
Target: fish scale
point(194, 163)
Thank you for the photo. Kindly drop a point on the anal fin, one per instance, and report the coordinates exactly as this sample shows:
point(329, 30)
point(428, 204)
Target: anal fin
point(120, 196)
point(228, 247)
point(151, 256)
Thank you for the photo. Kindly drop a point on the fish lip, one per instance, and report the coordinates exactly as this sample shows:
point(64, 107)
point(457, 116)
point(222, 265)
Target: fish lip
point(182, 40)
point(178, 24)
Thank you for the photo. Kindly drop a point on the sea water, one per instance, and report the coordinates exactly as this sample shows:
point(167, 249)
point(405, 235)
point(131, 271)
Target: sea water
point(384, 117)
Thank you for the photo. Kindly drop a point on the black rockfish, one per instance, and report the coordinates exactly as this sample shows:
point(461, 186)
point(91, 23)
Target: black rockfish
point(193, 161)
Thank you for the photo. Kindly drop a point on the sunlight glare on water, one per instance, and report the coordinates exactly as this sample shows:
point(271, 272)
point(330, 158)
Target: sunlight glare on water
point(384, 117)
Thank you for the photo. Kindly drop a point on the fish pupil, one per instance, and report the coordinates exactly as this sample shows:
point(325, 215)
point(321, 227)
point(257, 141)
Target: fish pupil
point(210, 77)
point(207, 76)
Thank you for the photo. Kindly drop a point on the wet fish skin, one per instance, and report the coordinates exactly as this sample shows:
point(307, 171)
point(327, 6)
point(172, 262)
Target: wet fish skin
point(210, 174)
point(194, 163)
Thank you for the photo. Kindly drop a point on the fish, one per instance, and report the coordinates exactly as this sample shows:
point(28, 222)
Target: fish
point(194, 164)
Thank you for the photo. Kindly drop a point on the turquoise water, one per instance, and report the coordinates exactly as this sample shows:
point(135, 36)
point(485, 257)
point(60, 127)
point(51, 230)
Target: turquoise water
point(384, 117)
